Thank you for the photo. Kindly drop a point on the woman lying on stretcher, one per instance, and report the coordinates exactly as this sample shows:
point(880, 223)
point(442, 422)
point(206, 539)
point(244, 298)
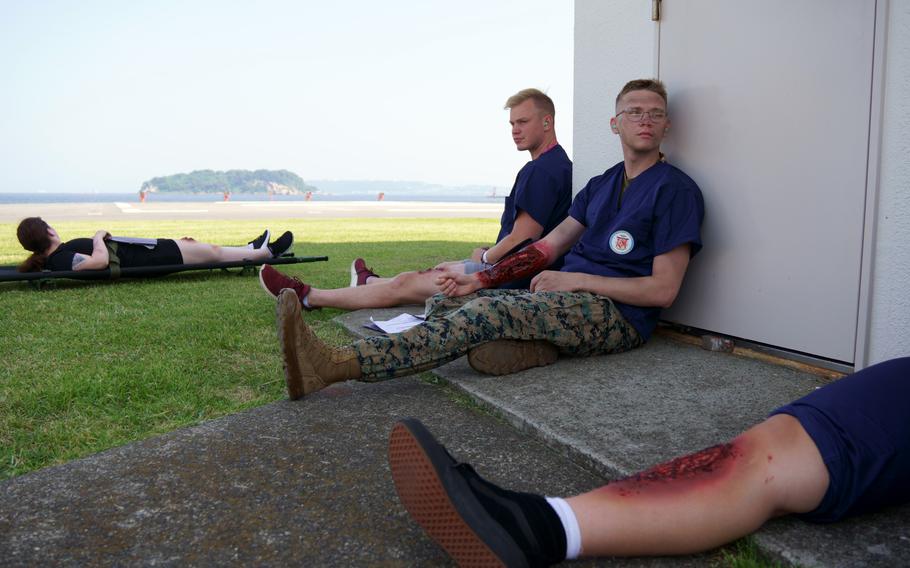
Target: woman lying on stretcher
point(51, 253)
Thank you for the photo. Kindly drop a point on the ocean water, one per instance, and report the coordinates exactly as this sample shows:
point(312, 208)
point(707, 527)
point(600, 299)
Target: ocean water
point(479, 196)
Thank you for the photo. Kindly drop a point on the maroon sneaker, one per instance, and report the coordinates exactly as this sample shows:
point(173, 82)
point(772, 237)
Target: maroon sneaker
point(273, 282)
point(360, 273)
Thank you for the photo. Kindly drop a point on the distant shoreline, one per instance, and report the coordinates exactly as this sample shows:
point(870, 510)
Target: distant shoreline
point(102, 211)
point(24, 198)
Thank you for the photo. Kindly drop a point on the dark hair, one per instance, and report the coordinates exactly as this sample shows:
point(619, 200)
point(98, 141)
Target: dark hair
point(32, 235)
point(653, 85)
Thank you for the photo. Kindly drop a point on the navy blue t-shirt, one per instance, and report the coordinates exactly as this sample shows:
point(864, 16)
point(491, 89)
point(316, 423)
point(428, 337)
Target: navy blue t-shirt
point(662, 209)
point(542, 189)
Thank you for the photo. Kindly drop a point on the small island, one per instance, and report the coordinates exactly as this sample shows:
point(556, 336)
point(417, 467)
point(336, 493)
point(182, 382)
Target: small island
point(272, 182)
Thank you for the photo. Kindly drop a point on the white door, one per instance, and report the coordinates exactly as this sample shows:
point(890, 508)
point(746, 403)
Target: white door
point(770, 103)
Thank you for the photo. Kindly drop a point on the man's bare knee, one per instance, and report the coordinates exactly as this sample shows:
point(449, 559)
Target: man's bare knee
point(796, 474)
point(414, 286)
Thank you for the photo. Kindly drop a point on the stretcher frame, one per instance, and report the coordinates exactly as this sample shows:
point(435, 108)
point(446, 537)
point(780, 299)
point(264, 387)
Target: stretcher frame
point(39, 279)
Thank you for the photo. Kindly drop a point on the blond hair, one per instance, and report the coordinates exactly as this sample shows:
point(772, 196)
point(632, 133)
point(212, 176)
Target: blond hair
point(543, 103)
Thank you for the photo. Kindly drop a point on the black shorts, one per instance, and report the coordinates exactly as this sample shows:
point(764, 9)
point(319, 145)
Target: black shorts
point(862, 429)
point(165, 252)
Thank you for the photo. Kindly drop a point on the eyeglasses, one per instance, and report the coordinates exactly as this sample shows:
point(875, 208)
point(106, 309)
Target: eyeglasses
point(636, 114)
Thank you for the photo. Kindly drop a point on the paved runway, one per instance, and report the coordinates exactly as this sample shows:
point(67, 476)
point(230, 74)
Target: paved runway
point(213, 210)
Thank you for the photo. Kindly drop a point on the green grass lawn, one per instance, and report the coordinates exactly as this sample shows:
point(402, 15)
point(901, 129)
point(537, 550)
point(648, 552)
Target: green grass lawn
point(88, 366)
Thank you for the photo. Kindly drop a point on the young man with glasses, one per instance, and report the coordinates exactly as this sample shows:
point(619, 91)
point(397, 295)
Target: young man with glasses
point(627, 243)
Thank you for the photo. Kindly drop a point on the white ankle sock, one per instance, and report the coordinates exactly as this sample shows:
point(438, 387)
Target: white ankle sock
point(569, 524)
point(265, 242)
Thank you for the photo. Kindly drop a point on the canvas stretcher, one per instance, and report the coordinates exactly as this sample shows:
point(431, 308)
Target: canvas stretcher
point(10, 274)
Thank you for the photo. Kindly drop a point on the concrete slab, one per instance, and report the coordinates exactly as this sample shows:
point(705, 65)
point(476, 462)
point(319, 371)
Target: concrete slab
point(619, 414)
point(302, 482)
point(878, 540)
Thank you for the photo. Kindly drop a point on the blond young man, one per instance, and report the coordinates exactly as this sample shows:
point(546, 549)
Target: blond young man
point(538, 202)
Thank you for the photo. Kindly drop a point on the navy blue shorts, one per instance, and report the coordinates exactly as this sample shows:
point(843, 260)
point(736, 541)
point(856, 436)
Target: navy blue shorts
point(861, 425)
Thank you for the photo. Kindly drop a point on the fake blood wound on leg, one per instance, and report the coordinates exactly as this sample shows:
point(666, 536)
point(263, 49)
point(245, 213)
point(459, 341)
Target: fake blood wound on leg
point(684, 473)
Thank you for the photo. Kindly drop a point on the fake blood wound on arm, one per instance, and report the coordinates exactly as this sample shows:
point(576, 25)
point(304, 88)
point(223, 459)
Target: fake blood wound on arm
point(526, 262)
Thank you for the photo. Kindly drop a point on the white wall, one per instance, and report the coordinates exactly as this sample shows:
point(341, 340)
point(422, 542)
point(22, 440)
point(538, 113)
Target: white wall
point(616, 41)
point(889, 329)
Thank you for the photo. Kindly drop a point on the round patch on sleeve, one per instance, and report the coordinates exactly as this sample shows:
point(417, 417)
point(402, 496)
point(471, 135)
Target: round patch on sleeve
point(621, 242)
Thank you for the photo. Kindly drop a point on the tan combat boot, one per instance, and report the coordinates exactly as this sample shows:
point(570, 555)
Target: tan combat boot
point(309, 364)
point(505, 356)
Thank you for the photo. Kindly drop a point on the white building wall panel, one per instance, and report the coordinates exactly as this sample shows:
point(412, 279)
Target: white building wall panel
point(889, 326)
point(616, 41)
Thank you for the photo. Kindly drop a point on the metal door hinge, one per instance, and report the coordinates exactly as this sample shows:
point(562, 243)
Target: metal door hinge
point(655, 10)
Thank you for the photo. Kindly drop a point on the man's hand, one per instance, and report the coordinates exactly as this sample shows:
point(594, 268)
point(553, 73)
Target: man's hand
point(556, 281)
point(102, 235)
point(453, 283)
point(477, 255)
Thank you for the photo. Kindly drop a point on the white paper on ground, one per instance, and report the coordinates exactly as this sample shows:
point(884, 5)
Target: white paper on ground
point(397, 324)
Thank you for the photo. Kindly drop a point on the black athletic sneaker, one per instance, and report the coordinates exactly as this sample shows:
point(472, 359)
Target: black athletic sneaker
point(260, 241)
point(282, 244)
point(476, 522)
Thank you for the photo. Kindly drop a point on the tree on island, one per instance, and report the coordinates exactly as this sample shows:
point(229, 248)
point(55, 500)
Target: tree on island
point(276, 182)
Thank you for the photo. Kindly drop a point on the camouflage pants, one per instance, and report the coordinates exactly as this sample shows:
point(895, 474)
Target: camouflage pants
point(578, 323)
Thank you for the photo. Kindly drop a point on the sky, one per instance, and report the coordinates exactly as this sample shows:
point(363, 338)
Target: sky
point(99, 96)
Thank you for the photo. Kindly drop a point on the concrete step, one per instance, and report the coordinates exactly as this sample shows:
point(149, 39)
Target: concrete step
point(291, 483)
